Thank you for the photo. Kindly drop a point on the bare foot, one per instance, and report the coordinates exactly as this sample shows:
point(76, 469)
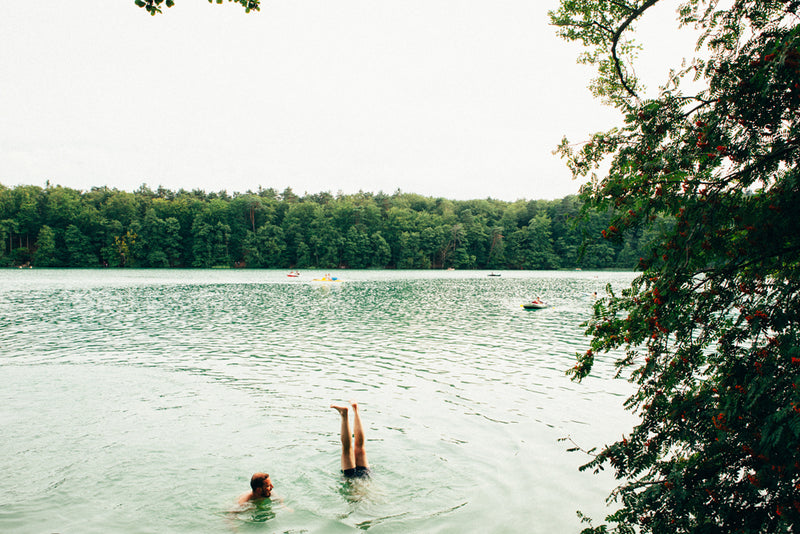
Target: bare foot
point(354, 404)
point(341, 409)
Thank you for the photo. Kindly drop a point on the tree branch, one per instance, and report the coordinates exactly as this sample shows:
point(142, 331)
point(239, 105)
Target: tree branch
point(633, 16)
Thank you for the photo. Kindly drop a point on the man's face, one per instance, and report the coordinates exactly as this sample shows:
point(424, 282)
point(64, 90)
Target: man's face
point(267, 487)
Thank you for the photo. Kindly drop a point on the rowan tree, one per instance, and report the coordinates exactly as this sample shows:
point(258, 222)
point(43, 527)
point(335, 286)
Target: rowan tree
point(154, 6)
point(710, 330)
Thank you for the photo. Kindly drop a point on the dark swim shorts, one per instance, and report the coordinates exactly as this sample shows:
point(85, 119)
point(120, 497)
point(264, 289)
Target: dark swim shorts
point(358, 472)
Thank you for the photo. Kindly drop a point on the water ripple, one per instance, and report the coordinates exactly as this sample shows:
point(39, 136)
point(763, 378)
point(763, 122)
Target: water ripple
point(465, 390)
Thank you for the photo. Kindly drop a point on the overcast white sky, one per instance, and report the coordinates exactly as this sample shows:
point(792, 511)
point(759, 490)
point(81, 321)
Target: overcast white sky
point(454, 98)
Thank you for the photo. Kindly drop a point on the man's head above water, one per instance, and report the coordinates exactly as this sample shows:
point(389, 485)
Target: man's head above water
point(261, 486)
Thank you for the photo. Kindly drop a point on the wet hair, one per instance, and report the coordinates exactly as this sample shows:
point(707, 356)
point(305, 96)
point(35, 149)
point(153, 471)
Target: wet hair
point(257, 481)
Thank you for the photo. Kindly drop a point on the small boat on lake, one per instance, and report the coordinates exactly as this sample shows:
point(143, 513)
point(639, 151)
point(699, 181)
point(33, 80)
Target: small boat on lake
point(294, 274)
point(494, 274)
point(326, 278)
point(535, 305)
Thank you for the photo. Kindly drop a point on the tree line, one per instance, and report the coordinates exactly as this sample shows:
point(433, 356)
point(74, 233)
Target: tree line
point(55, 226)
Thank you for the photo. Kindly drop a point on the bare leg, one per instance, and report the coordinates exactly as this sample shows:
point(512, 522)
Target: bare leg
point(360, 453)
point(348, 461)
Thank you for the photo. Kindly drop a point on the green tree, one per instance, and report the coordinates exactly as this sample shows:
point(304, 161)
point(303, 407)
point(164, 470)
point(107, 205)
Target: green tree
point(79, 250)
point(531, 246)
point(211, 235)
point(381, 253)
point(61, 206)
point(7, 229)
point(299, 223)
point(710, 332)
point(410, 256)
point(265, 247)
point(45, 255)
point(122, 248)
point(454, 252)
point(496, 257)
point(171, 243)
point(182, 209)
point(304, 260)
point(246, 214)
point(152, 234)
point(357, 249)
point(401, 221)
point(541, 255)
point(110, 252)
point(327, 245)
point(566, 237)
point(28, 201)
point(432, 241)
point(120, 206)
point(211, 244)
point(154, 6)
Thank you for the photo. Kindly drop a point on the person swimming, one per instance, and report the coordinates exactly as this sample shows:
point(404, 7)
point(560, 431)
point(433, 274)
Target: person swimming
point(354, 456)
point(261, 488)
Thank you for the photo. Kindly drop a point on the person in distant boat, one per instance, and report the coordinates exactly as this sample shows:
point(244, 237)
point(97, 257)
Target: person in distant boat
point(261, 488)
point(354, 457)
point(537, 300)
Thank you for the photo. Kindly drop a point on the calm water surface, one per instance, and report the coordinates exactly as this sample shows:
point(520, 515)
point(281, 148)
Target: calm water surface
point(141, 401)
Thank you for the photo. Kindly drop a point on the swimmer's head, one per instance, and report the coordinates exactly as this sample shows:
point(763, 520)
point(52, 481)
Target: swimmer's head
point(261, 485)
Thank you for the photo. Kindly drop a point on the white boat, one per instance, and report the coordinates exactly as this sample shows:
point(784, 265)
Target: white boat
point(534, 305)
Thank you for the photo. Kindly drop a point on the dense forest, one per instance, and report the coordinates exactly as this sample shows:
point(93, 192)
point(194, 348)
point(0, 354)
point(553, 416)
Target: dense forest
point(57, 226)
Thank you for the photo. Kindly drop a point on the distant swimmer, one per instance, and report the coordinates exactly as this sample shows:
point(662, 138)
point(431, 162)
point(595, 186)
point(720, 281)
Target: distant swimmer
point(354, 457)
point(261, 488)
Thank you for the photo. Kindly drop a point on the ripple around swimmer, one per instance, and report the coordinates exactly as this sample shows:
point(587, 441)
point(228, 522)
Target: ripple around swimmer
point(155, 384)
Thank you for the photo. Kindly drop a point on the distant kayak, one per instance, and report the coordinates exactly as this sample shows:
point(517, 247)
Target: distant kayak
point(493, 274)
point(325, 280)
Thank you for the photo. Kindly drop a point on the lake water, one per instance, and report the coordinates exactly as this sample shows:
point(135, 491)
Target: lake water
point(141, 401)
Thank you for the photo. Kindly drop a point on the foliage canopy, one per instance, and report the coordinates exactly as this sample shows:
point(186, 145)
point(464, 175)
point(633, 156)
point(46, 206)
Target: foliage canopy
point(710, 331)
point(154, 6)
point(62, 227)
